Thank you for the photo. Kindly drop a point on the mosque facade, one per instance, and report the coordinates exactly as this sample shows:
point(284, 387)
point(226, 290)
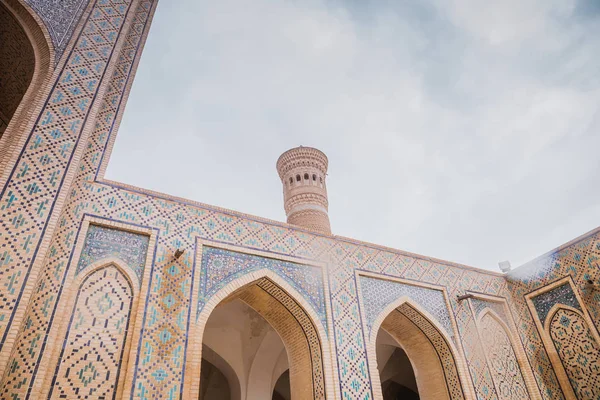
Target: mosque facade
point(110, 291)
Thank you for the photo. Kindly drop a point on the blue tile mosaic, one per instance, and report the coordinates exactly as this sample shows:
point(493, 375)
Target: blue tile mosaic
point(559, 295)
point(378, 294)
point(101, 242)
point(220, 267)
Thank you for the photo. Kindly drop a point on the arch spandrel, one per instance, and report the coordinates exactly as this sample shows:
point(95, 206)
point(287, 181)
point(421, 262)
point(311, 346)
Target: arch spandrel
point(219, 267)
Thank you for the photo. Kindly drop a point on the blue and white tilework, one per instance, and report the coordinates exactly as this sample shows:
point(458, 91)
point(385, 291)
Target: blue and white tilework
point(61, 18)
point(479, 305)
point(379, 293)
point(101, 242)
point(220, 267)
point(559, 295)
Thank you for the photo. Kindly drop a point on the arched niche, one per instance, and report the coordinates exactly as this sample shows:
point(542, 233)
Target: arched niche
point(290, 316)
point(576, 351)
point(96, 334)
point(26, 60)
point(502, 359)
point(434, 358)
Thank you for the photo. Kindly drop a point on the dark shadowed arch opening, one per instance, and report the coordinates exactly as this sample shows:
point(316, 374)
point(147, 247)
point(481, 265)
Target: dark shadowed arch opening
point(424, 351)
point(17, 65)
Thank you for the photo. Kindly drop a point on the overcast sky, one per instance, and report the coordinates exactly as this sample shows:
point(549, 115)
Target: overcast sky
point(458, 129)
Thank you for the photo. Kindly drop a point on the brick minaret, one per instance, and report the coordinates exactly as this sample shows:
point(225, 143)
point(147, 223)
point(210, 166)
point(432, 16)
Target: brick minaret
point(303, 171)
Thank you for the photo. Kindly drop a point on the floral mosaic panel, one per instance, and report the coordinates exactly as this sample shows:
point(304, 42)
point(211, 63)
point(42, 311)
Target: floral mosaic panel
point(220, 267)
point(559, 295)
point(101, 242)
point(61, 18)
point(579, 352)
point(379, 293)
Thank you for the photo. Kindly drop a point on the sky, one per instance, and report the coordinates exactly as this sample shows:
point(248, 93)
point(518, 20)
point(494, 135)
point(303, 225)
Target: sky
point(464, 130)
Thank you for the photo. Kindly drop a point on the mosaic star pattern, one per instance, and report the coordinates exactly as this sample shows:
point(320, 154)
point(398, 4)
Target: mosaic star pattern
point(579, 352)
point(90, 362)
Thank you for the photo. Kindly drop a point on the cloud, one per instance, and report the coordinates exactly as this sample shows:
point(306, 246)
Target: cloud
point(458, 129)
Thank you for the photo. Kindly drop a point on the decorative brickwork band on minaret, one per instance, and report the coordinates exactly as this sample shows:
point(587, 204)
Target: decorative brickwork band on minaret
point(303, 171)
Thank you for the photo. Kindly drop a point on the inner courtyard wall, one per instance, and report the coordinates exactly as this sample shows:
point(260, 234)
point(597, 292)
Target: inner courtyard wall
point(55, 191)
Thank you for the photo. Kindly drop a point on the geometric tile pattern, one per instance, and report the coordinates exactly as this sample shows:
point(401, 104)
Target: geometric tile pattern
point(379, 293)
point(61, 18)
point(579, 352)
point(16, 68)
point(220, 267)
point(101, 242)
point(502, 360)
point(29, 195)
point(90, 362)
point(27, 204)
point(562, 294)
point(97, 38)
point(577, 260)
point(441, 347)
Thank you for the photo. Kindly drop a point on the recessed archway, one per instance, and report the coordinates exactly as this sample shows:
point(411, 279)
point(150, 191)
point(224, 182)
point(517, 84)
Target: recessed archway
point(17, 64)
point(26, 60)
point(262, 329)
point(424, 350)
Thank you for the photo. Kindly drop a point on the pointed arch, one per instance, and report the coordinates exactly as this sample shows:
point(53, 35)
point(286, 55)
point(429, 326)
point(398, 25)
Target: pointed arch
point(95, 334)
point(501, 356)
point(209, 355)
point(29, 66)
point(291, 316)
point(437, 363)
point(570, 332)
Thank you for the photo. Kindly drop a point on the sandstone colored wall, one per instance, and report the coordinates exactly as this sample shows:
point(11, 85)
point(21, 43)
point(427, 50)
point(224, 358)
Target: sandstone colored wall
point(56, 192)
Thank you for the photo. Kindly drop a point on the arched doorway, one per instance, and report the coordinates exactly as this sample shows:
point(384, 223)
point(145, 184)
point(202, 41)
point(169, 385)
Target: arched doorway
point(17, 64)
point(26, 61)
point(421, 360)
point(395, 370)
point(281, 391)
point(269, 339)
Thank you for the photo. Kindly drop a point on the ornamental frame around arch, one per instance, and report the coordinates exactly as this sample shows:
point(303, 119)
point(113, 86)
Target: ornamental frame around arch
point(191, 382)
point(557, 362)
point(526, 373)
point(59, 329)
point(371, 344)
point(22, 121)
point(544, 330)
point(65, 321)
